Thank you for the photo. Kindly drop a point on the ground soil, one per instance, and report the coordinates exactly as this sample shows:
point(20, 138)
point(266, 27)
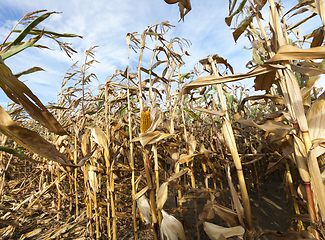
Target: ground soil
point(270, 208)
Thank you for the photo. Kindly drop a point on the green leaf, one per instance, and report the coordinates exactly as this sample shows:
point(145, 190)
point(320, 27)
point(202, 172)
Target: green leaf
point(193, 114)
point(13, 152)
point(30, 26)
point(257, 57)
point(184, 75)
point(20, 48)
point(242, 26)
point(153, 33)
point(28, 71)
point(239, 9)
point(54, 34)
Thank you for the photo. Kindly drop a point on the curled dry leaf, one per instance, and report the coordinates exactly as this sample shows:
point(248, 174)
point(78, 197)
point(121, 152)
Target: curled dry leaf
point(152, 137)
point(178, 175)
point(208, 212)
point(216, 232)
point(182, 4)
point(226, 214)
point(171, 228)
point(184, 158)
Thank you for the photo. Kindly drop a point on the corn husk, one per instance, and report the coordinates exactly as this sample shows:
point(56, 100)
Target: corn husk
point(144, 209)
point(162, 195)
point(93, 181)
point(171, 228)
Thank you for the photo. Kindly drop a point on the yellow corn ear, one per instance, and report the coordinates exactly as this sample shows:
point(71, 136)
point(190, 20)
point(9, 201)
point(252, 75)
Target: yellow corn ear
point(145, 121)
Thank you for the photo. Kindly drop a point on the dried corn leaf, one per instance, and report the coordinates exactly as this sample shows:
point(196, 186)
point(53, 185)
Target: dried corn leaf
point(226, 214)
point(184, 158)
point(140, 193)
point(316, 180)
point(310, 72)
point(208, 212)
point(182, 4)
point(178, 175)
point(301, 158)
point(296, 98)
point(216, 232)
point(318, 38)
point(235, 198)
point(315, 118)
point(264, 81)
point(151, 137)
point(219, 113)
point(18, 92)
point(29, 139)
point(277, 128)
point(289, 52)
point(213, 79)
point(11, 223)
point(321, 10)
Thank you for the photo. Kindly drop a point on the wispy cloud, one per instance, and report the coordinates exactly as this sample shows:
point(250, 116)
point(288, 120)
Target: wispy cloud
point(106, 24)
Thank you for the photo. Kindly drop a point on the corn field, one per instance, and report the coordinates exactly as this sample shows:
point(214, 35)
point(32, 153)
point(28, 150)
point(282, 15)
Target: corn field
point(159, 153)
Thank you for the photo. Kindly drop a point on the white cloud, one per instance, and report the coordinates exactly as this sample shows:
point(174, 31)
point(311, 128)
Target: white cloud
point(106, 23)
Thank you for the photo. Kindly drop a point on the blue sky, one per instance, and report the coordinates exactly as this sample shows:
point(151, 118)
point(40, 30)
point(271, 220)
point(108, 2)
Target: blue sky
point(106, 23)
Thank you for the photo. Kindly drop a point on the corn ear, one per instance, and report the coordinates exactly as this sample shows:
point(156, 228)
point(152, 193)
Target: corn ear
point(145, 121)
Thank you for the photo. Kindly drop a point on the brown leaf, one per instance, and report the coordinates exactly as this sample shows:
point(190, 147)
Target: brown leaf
point(18, 92)
point(226, 214)
point(30, 140)
point(213, 79)
point(208, 212)
point(289, 52)
point(318, 38)
point(182, 4)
